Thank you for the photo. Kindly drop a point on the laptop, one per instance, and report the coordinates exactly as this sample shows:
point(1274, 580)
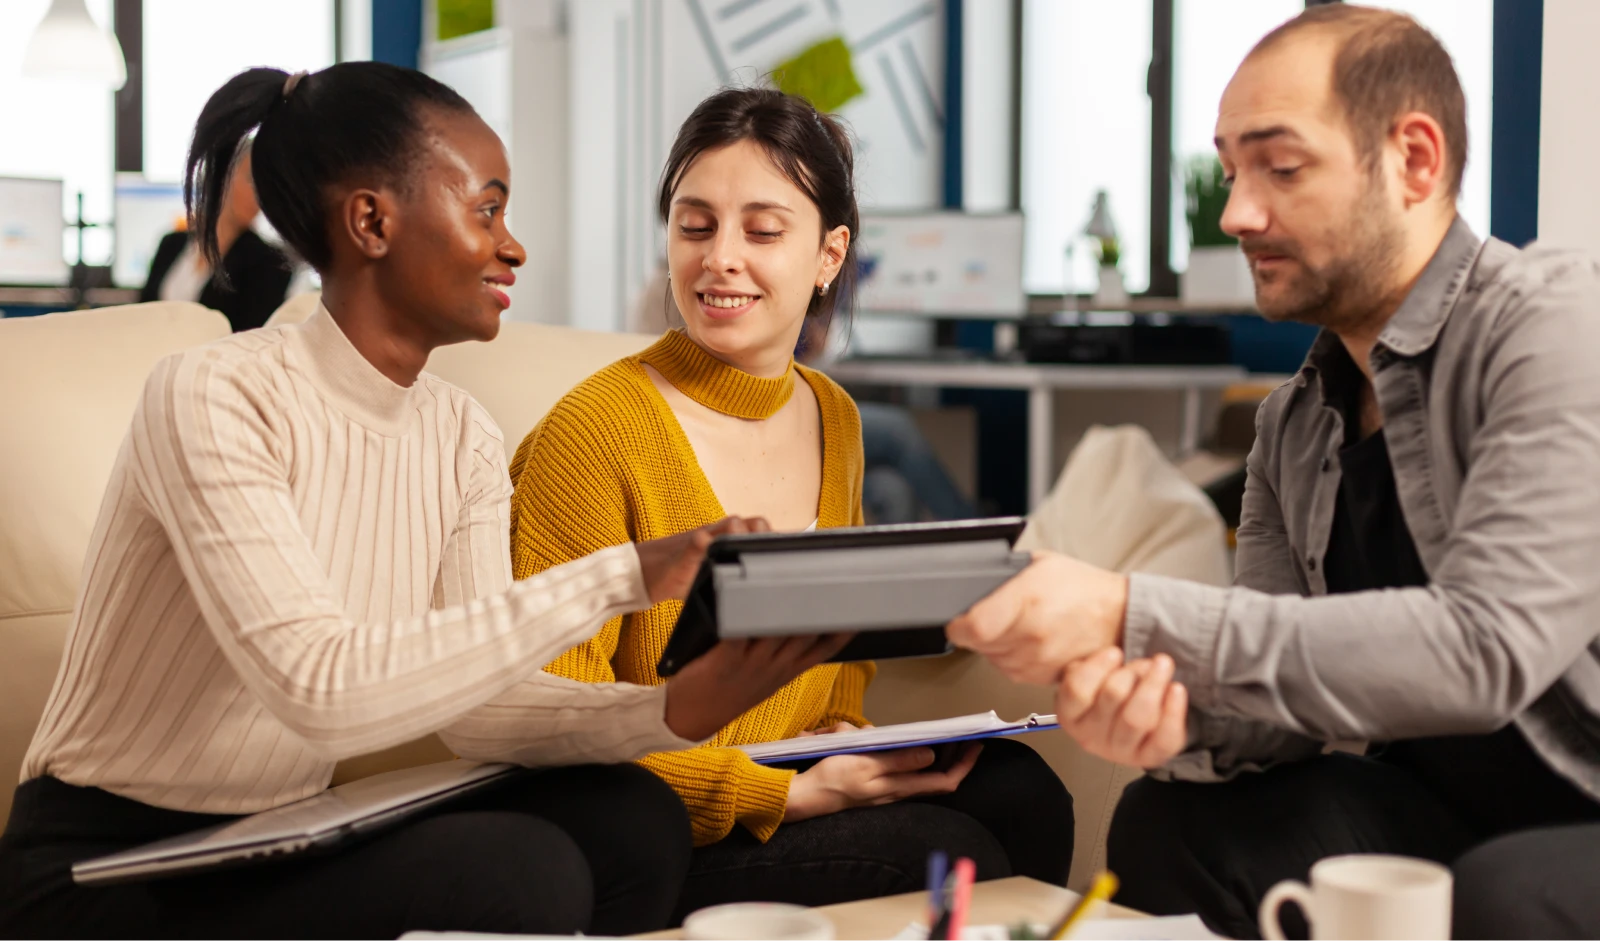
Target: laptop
point(317, 823)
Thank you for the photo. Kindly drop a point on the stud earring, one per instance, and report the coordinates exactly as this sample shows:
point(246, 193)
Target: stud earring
point(823, 291)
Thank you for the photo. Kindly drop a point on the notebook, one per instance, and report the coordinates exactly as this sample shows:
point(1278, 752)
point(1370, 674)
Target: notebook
point(318, 822)
point(885, 737)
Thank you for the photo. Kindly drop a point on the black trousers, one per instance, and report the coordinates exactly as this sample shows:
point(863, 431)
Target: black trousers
point(600, 849)
point(1524, 844)
point(1011, 816)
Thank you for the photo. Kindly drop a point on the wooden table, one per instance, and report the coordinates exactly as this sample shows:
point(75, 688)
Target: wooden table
point(1002, 901)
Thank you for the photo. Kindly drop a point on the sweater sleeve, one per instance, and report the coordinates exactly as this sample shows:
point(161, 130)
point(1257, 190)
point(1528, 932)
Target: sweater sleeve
point(552, 524)
point(205, 461)
point(544, 720)
point(845, 699)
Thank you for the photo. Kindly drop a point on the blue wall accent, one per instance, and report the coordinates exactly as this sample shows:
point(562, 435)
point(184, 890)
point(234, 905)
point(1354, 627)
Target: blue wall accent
point(397, 31)
point(1514, 142)
point(952, 103)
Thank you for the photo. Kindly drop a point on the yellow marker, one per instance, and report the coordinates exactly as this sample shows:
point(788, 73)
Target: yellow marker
point(1104, 886)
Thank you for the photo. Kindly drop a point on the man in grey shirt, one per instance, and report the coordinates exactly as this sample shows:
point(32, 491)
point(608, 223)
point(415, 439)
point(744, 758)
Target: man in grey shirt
point(1419, 554)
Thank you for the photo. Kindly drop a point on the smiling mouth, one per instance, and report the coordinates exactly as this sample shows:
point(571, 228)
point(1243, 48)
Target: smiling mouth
point(727, 302)
point(497, 291)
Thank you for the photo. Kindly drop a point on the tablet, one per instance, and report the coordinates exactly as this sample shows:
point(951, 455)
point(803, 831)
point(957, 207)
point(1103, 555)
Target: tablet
point(894, 587)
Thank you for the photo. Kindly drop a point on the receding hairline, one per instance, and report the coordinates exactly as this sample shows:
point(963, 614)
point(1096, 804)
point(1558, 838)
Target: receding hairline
point(1365, 42)
point(1338, 21)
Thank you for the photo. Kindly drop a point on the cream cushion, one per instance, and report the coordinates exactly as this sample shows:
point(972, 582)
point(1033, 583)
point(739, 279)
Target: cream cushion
point(528, 368)
point(295, 310)
point(69, 382)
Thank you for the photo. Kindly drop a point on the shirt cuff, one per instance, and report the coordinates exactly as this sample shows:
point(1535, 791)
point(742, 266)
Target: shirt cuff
point(656, 709)
point(764, 799)
point(639, 593)
point(1181, 619)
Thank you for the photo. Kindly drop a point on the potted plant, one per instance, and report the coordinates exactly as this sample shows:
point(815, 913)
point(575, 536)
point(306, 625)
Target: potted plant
point(1218, 273)
point(1103, 231)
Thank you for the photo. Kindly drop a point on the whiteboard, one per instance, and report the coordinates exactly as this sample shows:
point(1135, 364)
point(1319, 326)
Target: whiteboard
point(942, 264)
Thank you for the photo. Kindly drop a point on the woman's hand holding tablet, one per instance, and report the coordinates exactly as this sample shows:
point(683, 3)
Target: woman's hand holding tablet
point(735, 675)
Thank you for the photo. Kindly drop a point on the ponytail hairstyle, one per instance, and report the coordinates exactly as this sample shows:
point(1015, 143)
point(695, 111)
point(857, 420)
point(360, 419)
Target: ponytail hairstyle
point(311, 132)
point(810, 148)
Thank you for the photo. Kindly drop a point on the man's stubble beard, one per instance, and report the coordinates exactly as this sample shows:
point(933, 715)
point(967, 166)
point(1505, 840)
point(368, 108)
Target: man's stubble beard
point(1349, 290)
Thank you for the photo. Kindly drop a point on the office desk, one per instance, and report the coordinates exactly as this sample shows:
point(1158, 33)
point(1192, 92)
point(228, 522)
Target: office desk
point(1001, 901)
point(66, 297)
point(1042, 381)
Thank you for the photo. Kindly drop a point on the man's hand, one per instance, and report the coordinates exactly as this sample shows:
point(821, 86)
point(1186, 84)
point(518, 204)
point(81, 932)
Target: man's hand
point(1055, 611)
point(1131, 715)
point(669, 565)
point(840, 782)
point(736, 675)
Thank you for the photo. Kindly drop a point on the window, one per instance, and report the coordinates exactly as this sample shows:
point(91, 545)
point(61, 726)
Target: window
point(57, 128)
point(1086, 116)
point(191, 47)
point(1209, 40)
point(1466, 28)
point(1085, 127)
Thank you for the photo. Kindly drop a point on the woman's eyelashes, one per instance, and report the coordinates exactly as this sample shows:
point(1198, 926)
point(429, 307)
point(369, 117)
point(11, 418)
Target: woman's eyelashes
point(762, 230)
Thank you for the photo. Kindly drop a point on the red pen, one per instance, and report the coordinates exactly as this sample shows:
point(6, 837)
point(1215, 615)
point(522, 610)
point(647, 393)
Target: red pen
point(961, 895)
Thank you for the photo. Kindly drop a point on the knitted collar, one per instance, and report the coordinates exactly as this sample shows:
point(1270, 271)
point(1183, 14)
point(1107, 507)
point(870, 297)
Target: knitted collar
point(715, 384)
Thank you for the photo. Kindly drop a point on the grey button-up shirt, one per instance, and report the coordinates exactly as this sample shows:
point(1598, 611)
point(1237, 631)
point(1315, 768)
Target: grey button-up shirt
point(1488, 380)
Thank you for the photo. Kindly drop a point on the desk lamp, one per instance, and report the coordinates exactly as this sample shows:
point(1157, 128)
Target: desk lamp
point(1110, 292)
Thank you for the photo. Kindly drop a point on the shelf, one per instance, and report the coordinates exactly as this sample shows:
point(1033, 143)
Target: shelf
point(1040, 306)
point(67, 297)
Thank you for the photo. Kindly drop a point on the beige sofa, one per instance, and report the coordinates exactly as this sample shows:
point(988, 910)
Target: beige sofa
point(70, 381)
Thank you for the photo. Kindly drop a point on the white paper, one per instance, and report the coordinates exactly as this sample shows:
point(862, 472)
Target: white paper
point(908, 735)
point(1175, 928)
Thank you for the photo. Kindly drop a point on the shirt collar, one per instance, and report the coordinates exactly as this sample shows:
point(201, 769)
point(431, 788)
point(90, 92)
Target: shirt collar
point(346, 378)
point(1415, 326)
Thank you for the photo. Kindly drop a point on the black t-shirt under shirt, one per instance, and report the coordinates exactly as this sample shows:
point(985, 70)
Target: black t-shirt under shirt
point(1369, 546)
point(1495, 781)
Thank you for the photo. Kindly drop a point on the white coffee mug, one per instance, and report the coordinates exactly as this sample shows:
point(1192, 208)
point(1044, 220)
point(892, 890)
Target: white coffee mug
point(757, 921)
point(1361, 897)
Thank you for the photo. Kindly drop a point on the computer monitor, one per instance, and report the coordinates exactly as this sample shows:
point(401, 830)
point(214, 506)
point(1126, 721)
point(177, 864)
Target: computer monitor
point(942, 264)
point(146, 213)
point(32, 229)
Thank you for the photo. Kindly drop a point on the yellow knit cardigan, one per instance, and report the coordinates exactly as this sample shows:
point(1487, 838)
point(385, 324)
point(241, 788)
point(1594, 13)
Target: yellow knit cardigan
point(609, 464)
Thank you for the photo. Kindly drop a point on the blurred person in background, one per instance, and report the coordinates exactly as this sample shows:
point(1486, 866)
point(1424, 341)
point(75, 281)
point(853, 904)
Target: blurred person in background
point(254, 278)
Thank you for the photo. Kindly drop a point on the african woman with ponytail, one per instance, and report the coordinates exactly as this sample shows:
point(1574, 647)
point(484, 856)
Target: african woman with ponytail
point(302, 556)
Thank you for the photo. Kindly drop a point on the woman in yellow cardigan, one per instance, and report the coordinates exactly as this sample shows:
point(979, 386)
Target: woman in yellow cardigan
point(758, 197)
